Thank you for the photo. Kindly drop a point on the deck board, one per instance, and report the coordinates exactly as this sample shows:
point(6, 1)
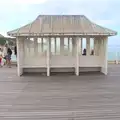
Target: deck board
point(87, 97)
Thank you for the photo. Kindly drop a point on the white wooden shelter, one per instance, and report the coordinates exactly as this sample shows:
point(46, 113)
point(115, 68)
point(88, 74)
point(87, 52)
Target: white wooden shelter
point(52, 42)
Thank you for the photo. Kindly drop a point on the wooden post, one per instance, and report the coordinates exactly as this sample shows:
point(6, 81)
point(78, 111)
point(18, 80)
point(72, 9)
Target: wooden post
point(68, 44)
point(42, 44)
point(77, 56)
point(88, 46)
point(35, 46)
point(55, 46)
point(99, 46)
point(74, 46)
point(104, 55)
point(48, 56)
point(20, 55)
point(95, 46)
point(81, 45)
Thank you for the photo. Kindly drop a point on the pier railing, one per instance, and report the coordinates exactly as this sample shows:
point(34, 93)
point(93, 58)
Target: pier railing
point(114, 54)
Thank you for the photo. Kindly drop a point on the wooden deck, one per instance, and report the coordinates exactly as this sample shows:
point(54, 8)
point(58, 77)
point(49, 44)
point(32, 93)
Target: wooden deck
point(87, 97)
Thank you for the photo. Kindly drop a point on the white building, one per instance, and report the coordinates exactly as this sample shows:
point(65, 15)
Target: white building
point(53, 42)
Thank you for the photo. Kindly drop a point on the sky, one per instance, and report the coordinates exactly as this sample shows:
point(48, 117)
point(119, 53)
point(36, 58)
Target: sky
point(16, 13)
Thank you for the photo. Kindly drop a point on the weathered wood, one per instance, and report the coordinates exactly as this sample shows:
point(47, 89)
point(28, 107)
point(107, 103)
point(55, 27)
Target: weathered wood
point(86, 97)
point(61, 24)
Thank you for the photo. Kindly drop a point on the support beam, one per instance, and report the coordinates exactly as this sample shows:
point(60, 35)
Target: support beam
point(88, 46)
point(77, 56)
point(74, 46)
point(104, 55)
point(81, 45)
point(42, 44)
point(96, 46)
point(26, 47)
point(99, 41)
point(20, 55)
point(28, 43)
point(68, 44)
point(48, 56)
point(35, 46)
point(55, 46)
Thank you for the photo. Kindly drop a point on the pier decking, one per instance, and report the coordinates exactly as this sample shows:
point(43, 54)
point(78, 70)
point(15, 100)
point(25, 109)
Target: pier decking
point(87, 97)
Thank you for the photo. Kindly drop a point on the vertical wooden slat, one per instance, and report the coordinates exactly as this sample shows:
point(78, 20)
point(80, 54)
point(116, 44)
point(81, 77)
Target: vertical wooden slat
point(88, 46)
point(35, 46)
point(61, 45)
point(55, 46)
point(81, 45)
point(42, 44)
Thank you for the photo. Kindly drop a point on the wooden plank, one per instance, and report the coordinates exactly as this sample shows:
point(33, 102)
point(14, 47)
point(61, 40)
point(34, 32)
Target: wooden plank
point(88, 97)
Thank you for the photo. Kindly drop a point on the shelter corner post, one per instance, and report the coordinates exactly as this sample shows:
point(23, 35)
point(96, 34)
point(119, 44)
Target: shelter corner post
point(20, 55)
point(104, 53)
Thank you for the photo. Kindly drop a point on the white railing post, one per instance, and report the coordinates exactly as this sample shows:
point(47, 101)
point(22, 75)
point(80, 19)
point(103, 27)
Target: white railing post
point(116, 57)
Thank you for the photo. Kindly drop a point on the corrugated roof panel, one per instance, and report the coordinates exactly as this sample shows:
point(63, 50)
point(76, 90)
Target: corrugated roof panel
point(66, 24)
point(25, 29)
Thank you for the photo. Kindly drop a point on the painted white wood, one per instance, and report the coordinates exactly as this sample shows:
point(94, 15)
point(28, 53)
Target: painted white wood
point(38, 60)
point(104, 52)
point(55, 46)
point(81, 45)
point(77, 56)
point(20, 55)
point(62, 45)
point(106, 56)
point(89, 61)
point(74, 46)
point(88, 46)
point(96, 45)
point(28, 43)
point(35, 46)
point(63, 61)
point(42, 44)
point(48, 56)
point(99, 45)
point(26, 47)
point(102, 56)
point(69, 44)
point(35, 70)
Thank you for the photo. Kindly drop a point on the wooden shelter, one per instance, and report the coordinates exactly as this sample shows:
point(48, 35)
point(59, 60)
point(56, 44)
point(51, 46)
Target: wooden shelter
point(54, 43)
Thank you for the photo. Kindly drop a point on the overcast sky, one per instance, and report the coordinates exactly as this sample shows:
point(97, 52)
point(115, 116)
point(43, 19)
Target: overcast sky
point(15, 13)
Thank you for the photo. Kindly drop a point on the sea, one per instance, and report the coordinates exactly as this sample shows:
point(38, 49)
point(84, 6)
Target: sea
point(113, 53)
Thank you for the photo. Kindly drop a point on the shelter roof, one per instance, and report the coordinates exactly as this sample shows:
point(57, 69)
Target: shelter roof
point(61, 25)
